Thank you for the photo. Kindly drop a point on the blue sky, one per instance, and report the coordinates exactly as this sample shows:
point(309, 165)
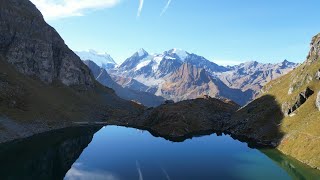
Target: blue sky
point(225, 32)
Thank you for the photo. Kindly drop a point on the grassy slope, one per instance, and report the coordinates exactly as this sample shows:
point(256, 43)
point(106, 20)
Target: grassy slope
point(302, 139)
point(300, 133)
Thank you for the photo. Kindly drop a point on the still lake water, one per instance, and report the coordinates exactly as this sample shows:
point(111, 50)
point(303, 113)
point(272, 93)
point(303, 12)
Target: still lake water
point(119, 153)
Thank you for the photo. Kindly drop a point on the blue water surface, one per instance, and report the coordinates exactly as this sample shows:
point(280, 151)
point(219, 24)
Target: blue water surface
point(119, 153)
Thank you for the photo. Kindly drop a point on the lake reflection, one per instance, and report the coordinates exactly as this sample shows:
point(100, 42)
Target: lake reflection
point(125, 153)
point(46, 156)
point(118, 153)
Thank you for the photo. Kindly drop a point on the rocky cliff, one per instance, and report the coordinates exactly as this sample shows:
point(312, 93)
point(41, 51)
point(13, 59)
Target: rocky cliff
point(35, 49)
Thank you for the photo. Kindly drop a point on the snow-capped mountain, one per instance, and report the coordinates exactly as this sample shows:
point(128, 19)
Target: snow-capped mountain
point(135, 61)
point(103, 60)
point(150, 67)
point(105, 79)
point(159, 74)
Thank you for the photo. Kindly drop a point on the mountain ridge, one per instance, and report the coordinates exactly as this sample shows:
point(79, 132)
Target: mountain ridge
point(152, 70)
point(105, 79)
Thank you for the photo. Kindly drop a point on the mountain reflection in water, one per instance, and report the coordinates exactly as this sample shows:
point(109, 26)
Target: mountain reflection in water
point(45, 156)
point(126, 153)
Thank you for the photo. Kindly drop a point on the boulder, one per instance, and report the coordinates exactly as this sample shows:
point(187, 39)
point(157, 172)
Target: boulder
point(317, 76)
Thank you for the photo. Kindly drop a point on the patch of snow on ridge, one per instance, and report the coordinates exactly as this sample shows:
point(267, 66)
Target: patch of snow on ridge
point(169, 57)
point(149, 81)
point(157, 60)
point(181, 53)
point(143, 64)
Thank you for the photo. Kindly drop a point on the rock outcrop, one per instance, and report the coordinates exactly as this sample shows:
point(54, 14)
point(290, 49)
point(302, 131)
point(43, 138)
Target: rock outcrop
point(287, 109)
point(35, 49)
point(317, 76)
point(318, 101)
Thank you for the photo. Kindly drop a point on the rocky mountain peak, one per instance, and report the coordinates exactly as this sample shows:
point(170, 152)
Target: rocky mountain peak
point(134, 60)
point(287, 64)
point(285, 61)
point(191, 73)
point(250, 64)
point(314, 52)
point(141, 52)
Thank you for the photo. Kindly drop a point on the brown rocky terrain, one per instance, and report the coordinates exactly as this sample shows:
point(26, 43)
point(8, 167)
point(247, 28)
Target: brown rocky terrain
point(178, 121)
point(190, 82)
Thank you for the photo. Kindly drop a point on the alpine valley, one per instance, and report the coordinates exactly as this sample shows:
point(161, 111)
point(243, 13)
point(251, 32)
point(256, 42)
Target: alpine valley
point(171, 115)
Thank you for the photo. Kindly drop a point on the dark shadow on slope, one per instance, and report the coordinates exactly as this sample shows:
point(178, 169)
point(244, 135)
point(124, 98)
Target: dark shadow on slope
point(258, 122)
point(44, 156)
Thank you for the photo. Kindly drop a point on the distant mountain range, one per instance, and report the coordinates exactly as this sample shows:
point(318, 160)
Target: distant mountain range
point(179, 75)
point(104, 78)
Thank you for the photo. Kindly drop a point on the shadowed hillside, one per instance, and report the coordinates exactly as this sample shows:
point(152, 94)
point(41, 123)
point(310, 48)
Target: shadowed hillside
point(258, 121)
point(297, 94)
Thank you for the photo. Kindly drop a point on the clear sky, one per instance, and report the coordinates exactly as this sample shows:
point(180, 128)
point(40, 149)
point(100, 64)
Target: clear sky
point(224, 31)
